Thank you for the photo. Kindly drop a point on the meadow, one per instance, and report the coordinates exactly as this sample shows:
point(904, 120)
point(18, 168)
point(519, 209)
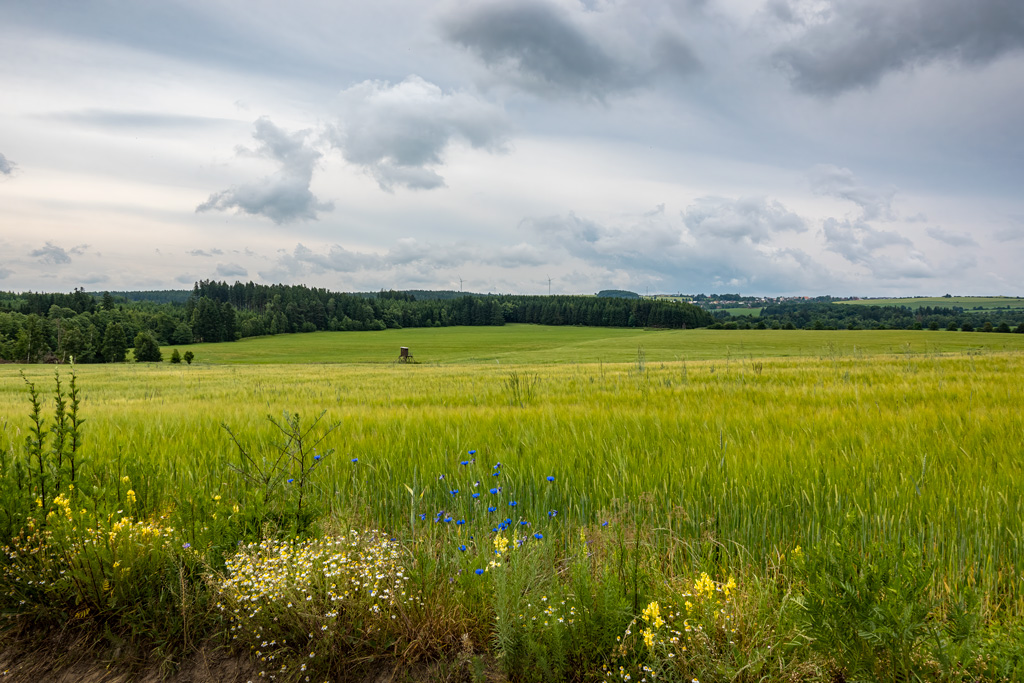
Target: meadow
point(552, 503)
point(965, 302)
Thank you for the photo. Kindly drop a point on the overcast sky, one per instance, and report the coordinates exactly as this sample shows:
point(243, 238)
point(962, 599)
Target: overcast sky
point(847, 147)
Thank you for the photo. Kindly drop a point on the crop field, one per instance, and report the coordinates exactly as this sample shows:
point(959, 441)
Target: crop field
point(536, 344)
point(693, 463)
point(965, 302)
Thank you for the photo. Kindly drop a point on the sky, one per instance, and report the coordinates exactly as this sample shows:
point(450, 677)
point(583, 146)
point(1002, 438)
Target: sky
point(765, 147)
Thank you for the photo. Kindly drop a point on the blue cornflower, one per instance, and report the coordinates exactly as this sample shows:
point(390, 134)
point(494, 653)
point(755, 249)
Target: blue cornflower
point(186, 546)
point(552, 513)
point(440, 478)
point(464, 462)
point(355, 459)
point(550, 478)
point(462, 548)
point(455, 492)
point(423, 515)
point(539, 536)
point(512, 503)
point(524, 523)
point(496, 474)
point(447, 519)
point(290, 480)
point(479, 572)
point(476, 495)
point(494, 491)
point(492, 509)
point(460, 522)
point(473, 452)
point(604, 523)
point(498, 466)
point(316, 457)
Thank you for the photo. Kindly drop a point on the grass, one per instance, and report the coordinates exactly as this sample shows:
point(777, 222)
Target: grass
point(543, 345)
point(718, 452)
point(966, 302)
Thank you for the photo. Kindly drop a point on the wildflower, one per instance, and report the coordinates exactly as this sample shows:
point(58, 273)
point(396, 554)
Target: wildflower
point(476, 495)
point(648, 638)
point(550, 478)
point(130, 496)
point(512, 503)
point(464, 462)
point(491, 509)
point(539, 536)
point(524, 523)
point(473, 452)
point(498, 466)
point(478, 572)
point(552, 513)
point(462, 548)
point(494, 491)
point(455, 492)
point(290, 481)
point(316, 457)
point(496, 474)
point(355, 459)
point(604, 523)
point(460, 522)
point(423, 515)
point(186, 546)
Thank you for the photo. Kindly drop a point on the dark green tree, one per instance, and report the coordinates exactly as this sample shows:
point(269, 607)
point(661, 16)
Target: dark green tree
point(147, 350)
point(175, 356)
point(115, 344)
point(188, 357)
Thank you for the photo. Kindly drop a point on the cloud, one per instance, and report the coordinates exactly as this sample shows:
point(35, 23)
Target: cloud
point(51, 254)
point(952, 239)
point(835, 181)
point(134, 120)
point(285, 196)
point(6, 166)
point(204, 252)
point(583, 51)
point(716, 243)
point(399, 133)
point(849, 44)
point(753, 219)
point(231, 270)
point(857, 241)
point(5, 272)
point(93, 278)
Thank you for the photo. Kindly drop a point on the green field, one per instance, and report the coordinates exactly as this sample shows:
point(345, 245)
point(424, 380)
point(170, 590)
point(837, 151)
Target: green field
point(965, 302)
point(734, 453)
point(537, 344)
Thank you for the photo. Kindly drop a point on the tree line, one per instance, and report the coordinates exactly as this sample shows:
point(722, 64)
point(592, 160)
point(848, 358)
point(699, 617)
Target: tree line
point(54, 327)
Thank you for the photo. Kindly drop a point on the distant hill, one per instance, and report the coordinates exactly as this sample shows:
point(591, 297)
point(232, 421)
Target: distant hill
point(617, 294)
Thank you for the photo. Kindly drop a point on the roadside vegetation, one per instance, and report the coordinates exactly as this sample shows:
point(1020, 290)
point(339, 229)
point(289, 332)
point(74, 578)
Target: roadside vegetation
point(844, 514)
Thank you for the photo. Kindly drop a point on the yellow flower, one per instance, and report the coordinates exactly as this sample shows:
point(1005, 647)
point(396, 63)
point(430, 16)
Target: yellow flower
point(130, 496)
point(729, 586)
point(704, 585)
point(649, 638)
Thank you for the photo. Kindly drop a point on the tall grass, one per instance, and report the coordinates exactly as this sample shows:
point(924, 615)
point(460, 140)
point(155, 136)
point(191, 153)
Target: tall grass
point(741, 462)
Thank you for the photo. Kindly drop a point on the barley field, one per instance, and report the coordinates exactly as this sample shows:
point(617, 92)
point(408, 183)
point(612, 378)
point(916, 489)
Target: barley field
point(731, 451)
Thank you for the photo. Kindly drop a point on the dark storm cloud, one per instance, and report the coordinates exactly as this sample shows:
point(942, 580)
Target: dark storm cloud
point(51, 255)
point(399, 133)
point(549, 50)
point(539, 42)
point(833, 181)
point(854, 43)
point(950, 238)
point(285, 196)
point(6, 166)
